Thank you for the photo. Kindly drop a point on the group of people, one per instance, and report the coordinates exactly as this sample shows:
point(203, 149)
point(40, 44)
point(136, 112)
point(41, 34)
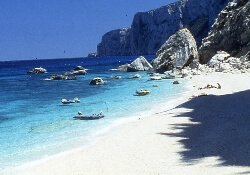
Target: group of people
point(211, 86)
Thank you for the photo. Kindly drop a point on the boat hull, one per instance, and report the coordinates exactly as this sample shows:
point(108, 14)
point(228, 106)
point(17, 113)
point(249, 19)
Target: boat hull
point(88, 117)
point(142, 92)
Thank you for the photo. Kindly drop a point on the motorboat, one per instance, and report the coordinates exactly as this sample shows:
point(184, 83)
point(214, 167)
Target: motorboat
point(61, 77)
point(65, 101)
point(142, 92)
point(116, 77)
point(88, 117)
point(136, 76)
point(37, 70)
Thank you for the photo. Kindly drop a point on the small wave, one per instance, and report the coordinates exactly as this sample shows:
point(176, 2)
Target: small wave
point(3, 119)
point(52, 126)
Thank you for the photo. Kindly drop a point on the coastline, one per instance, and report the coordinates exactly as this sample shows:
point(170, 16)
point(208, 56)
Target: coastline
point(149, 145)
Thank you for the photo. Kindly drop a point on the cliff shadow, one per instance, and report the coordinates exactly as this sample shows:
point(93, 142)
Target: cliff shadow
point(221, 128)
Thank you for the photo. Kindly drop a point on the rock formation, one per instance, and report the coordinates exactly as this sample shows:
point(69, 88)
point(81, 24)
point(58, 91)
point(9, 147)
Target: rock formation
point(115, 42)
point(139, 64)
point(230, 32)
point(149, 30)
point(175, 52)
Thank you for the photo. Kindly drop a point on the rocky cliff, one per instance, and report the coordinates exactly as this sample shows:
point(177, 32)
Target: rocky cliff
point(230, 32)
point(149, 30)
point(115, 42)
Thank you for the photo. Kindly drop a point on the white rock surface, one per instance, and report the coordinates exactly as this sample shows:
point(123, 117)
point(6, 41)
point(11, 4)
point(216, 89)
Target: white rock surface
point(149, 30)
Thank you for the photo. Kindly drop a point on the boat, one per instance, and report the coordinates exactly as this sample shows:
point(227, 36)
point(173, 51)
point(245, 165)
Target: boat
point(116, 77)
point(88, 117)
point(136, 76)
point(142, 92)
point(37, 70)
point(65, 101)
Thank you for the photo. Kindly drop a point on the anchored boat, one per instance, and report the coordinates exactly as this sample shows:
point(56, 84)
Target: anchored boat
point(142, 92)
point(88, 117)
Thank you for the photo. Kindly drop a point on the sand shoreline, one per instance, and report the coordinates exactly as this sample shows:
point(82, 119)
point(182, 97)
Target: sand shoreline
point(154, 144)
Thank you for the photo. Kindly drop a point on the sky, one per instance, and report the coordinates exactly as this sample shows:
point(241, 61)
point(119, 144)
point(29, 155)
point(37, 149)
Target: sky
point(44, 29)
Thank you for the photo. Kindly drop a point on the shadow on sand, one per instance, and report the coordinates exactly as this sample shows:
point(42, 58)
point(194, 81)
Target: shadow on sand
point(223, 128)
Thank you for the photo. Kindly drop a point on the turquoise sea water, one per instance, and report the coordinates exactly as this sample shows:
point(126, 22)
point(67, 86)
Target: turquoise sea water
point(35, 124)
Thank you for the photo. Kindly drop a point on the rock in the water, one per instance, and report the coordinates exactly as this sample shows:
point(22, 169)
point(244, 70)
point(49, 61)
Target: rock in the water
point(176, 82)
point(139, 64)
point(123, 67)
point(97, 81)
point(175, 51)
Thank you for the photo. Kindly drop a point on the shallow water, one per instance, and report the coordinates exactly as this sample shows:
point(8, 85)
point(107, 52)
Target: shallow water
point(35, 124)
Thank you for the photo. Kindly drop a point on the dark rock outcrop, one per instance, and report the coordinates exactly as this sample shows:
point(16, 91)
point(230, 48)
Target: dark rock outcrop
point(97, 81)
point(230, 32)
point(149, 30)
point(175, 52)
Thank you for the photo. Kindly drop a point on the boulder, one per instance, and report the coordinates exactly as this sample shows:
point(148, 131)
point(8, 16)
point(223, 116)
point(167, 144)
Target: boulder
point(176, 51)
point(224, 67)
point(96, 81)
point(218, 58)
point(139, 64)
point(176, 82)
point(123, 67)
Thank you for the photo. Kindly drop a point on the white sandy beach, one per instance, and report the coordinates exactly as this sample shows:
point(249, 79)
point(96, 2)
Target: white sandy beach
point(202, 135)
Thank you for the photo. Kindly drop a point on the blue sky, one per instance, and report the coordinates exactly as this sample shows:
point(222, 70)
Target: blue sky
point(31, 29)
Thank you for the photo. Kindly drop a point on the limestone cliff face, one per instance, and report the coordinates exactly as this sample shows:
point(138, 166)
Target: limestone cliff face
point(230, 32)
point(149, 30)
point(115, 42)
point(175, 52)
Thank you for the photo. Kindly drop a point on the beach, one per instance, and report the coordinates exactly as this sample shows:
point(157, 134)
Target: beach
point(205, 131)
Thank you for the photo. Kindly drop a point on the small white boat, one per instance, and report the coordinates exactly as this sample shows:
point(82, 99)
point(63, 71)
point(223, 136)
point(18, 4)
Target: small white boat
point(65, 101)
point(142, 92)
point(136, 76)
point(116, 77)
point(37, 70)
